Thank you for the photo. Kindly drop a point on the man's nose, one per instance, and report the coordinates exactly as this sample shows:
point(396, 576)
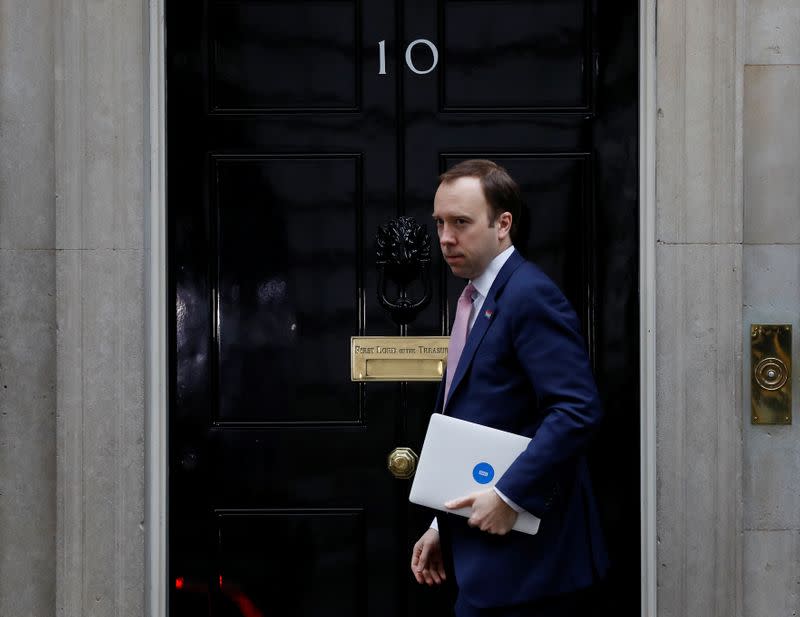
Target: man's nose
point(446, 235)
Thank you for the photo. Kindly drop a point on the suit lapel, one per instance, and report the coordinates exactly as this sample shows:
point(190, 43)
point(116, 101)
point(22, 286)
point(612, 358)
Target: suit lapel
point(487, 315)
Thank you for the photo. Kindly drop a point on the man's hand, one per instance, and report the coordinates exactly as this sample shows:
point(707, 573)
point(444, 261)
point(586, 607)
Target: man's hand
point(489, 513)
point(426, 559)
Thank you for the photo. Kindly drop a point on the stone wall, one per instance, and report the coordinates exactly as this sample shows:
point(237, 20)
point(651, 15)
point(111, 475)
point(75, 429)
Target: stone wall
point(27, 311)
point(771, 146)
point(72, 321)
point(101, 65)
point(698, 309)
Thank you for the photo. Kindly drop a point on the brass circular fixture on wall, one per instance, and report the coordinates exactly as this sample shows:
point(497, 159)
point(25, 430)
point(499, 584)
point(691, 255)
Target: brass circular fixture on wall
point(771, 373)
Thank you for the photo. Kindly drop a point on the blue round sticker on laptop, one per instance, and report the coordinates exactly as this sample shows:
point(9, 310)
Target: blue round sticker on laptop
point(483, 473)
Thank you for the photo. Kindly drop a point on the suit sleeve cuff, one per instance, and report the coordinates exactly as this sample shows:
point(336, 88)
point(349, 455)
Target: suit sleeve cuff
point(511, 504)
point(535, 502)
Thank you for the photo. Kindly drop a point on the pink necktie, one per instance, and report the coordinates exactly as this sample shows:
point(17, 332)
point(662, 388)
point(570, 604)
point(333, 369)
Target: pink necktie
point(458, 335)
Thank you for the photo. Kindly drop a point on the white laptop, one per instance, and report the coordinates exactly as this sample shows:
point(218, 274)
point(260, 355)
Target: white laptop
point(459, 458)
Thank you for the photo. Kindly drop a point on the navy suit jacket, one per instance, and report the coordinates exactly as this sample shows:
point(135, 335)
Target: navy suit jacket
point(525, 369)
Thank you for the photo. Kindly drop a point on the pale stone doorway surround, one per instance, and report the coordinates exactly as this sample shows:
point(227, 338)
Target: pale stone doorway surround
point(698, 294)
point(82, 272)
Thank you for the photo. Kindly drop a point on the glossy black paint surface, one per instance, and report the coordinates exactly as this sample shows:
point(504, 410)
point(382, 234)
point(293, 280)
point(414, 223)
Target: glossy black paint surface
point(286, 151)
point(270, 56)
point(287, 279)
point(504, 57)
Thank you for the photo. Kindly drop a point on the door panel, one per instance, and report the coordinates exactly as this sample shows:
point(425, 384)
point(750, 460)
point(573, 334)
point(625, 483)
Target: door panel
point(313, 560)
point(287, 149)
point(289, 275)
point(504, 57)
point(315, 47)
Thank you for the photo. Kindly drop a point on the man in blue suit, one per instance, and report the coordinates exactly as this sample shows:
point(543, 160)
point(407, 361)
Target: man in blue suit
point(521, 366)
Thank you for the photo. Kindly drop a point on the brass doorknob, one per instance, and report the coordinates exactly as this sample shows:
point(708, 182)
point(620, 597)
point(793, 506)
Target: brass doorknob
point(403, 463)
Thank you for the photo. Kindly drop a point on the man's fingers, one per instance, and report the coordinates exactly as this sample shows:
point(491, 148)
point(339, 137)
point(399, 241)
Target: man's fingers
point(426, 560)
point(422, 562)
point(460, 502)
point(438, 569)
point(476, 520)
point(433, 574)
point(415, 556)
point(416, 570)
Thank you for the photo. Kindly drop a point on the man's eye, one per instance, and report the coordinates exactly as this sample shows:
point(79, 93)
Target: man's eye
point(461, 221)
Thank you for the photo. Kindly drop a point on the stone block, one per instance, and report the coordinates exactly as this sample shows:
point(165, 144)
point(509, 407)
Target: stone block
point(772, 32)
point(771, 156)
point(101, 431)
point(770, 469)
point(771, 464)
point(696, 124)
point(27, 175)
point(100, 127)
point(27, 432)
point(771, 281)
point(698, 353)
point(771, 573)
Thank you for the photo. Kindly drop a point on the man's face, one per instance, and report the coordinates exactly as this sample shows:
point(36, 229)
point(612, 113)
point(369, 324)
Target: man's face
point(462, 217)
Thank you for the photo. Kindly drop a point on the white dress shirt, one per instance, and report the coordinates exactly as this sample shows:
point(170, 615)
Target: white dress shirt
point(483, 284)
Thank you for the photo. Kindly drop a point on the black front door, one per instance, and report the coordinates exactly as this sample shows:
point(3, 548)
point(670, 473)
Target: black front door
point(297, 128)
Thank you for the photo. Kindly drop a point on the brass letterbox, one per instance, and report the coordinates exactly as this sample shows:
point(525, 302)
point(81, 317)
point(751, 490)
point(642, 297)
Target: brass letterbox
point(398, 358)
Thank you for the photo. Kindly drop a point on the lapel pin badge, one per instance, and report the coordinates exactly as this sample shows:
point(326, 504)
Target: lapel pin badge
point(488, 313)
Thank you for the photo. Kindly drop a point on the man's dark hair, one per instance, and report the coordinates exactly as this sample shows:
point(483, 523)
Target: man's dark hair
point(499, 189)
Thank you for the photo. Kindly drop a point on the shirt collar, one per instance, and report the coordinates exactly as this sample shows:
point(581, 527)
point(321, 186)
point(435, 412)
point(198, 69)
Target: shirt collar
point(484, 282)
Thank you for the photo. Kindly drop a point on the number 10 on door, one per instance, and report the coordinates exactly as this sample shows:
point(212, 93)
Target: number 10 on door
point(409, 61)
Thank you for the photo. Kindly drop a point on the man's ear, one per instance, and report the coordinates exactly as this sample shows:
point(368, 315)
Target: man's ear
point(503, 225)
